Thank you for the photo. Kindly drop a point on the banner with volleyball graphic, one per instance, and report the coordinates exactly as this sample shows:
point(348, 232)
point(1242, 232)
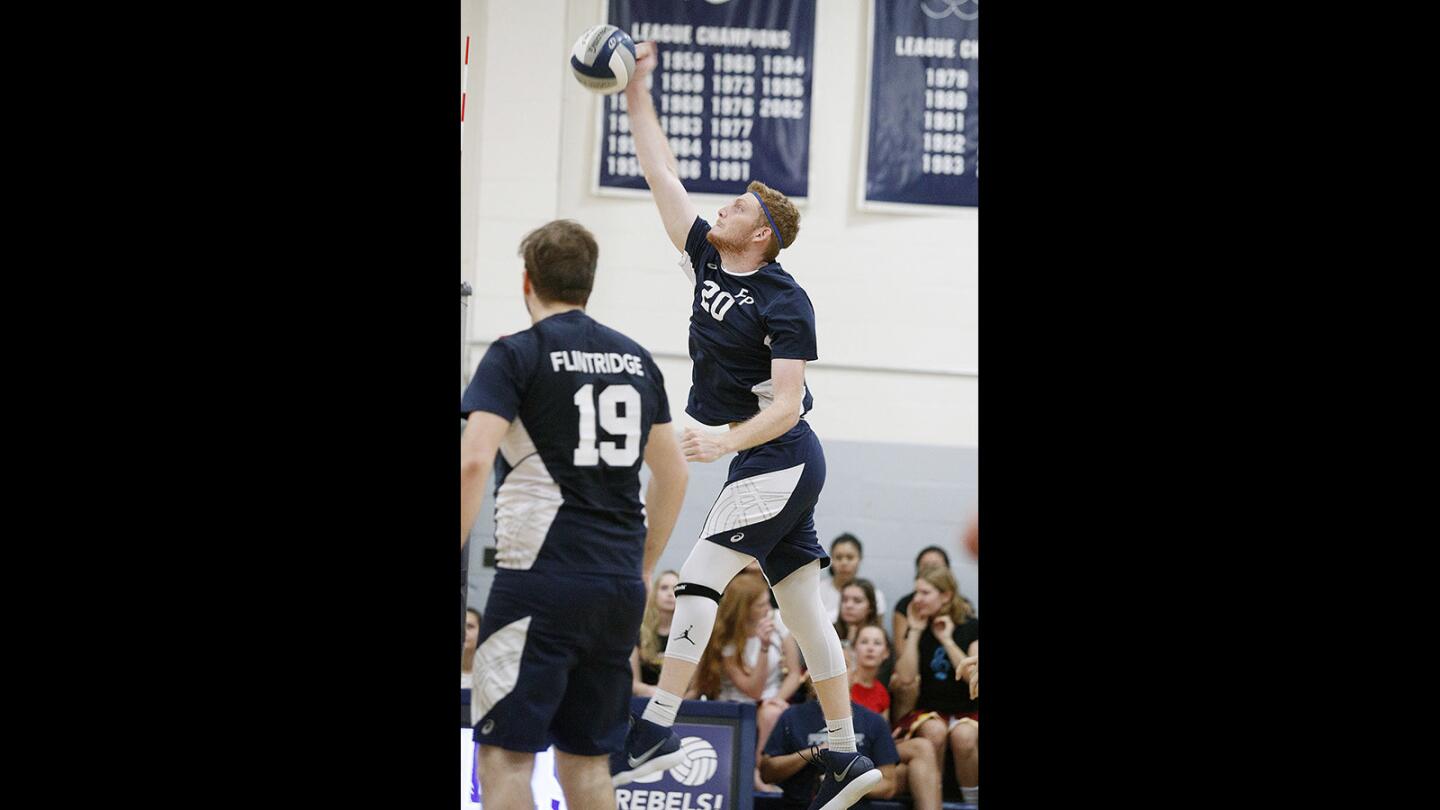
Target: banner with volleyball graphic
point(704, 779)
point(922, 120)
point(717, 737)
point(732, 90)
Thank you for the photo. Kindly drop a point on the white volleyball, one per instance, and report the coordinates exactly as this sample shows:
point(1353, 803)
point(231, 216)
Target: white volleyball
point(603, 59)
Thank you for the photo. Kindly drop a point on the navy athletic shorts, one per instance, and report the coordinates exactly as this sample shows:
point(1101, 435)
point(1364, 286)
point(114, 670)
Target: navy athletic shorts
point(767, 508)
point(553, 662)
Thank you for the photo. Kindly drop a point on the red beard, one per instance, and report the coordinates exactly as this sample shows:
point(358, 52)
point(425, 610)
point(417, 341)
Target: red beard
point(725, 245)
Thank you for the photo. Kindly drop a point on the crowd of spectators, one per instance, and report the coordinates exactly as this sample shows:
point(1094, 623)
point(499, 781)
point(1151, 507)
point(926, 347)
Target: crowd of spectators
point(914, 687)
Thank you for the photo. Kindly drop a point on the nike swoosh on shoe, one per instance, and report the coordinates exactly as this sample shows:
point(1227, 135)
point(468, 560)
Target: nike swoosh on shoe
point(633, 761)
point(840, 777)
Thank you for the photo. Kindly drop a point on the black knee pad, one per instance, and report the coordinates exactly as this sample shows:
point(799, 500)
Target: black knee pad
point(693, 589)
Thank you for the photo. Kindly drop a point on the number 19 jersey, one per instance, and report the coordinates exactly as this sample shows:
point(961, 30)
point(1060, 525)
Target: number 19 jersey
point(582, 398)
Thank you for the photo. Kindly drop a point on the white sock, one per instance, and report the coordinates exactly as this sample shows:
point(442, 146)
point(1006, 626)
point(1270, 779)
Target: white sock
point(842, 734)
point(662, 708)
point(971, 794)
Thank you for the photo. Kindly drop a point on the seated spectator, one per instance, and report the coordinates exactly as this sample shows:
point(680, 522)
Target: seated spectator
point(927, 689)
point(864, 666)
point(928, 556)
point(790, 756)
point(845, 555)
point(857, 609)
point(649, 653)
point(918, 773)
point(750, 656)
point(467, 657)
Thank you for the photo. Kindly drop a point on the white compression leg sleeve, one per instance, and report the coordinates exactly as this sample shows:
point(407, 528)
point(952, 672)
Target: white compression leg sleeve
point(799, 598)
point(711, 567)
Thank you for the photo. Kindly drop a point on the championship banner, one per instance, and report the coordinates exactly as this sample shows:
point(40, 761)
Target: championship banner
point(922, 137)
point(732, 91)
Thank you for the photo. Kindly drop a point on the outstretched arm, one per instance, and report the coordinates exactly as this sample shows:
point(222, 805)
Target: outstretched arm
point(677, 212)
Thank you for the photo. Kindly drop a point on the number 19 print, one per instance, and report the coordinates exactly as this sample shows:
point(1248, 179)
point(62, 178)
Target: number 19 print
point(619, 409)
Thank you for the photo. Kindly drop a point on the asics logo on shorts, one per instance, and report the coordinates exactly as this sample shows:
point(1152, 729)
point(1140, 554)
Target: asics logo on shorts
point(488, 727)
point(738, 537)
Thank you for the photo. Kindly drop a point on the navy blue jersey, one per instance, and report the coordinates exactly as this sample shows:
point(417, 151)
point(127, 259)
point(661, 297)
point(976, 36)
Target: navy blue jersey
point(582, 398)
point(803, 725)
point(738, 323)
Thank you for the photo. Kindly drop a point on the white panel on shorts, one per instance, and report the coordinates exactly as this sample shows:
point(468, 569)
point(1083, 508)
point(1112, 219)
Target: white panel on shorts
point(526, 504)
point(497, 666)
point(751, 500)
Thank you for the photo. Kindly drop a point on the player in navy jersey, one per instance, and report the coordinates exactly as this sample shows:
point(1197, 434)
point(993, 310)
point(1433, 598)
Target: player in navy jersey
point(571, 407)
point(752, 329)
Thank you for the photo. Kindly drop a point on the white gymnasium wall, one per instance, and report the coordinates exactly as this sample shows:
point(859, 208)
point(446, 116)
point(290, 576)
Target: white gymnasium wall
point(895, 294)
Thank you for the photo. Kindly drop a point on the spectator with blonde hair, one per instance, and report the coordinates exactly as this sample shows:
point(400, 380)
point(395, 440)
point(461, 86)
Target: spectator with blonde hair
point(929, 694)
point(646, 660)
point(928, 556)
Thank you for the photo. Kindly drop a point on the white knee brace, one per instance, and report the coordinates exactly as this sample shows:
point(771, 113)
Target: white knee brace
point(703, 578)
point(800, 606)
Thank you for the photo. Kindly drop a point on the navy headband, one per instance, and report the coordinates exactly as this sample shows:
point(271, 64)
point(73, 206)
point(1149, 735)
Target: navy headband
point(775, 230)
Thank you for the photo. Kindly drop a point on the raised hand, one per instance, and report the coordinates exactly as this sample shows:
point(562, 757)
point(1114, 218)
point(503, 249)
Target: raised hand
point(647, 55)
point(764, 629)
point(942, 627)
point(915, 617)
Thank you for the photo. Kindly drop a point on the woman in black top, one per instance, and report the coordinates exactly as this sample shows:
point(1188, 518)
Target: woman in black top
point(929, 690)
point(928, 556)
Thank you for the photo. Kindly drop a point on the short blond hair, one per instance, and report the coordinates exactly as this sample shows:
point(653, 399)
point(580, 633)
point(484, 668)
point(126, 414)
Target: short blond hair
point(787, 219)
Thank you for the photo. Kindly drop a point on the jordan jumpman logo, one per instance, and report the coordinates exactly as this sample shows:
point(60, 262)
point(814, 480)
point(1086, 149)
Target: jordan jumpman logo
point(685, 636)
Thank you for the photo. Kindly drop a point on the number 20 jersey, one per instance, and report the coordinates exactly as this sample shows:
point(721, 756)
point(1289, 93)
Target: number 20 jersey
point(582, 398)
point(738, 324)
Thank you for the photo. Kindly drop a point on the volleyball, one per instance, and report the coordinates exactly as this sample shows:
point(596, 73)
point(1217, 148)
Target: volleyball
point(699, 763)
point(603, 59)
